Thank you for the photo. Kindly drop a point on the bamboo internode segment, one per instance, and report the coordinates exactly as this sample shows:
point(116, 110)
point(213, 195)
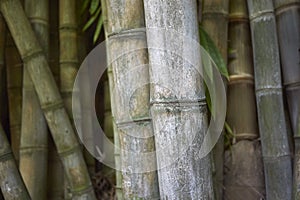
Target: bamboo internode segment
point(48, 93)
point(11, 183)
point(272, 127)
point(176, 81)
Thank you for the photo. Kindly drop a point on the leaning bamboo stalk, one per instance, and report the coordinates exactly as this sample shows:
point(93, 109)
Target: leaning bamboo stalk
point(215, 22)
point(11, 183)
point(125, 32)
point(177, 98)
point(270, 108)
point(34, 133)
point(245, 169)
point(55, 185)
point(288, 29)
point(50, 99)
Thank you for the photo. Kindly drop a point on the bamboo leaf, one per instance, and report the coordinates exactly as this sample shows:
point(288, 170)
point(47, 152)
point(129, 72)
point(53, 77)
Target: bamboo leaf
point(84, 6)
point(212, 50)
point(98, 29)
point(91, 20)
point(94, 5)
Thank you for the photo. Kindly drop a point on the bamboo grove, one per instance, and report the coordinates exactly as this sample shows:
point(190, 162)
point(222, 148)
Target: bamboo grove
point(153, 102)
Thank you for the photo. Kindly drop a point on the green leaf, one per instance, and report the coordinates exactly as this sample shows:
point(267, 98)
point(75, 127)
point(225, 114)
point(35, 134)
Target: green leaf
point(84, 6)
point(92, 19)
point(94, 5)
point(213, 51)
point(98, 29)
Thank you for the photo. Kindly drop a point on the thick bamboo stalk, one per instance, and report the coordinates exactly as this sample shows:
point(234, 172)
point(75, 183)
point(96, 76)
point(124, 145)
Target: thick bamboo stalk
point(14, 70)
point(55, 185)
point(245, 169)
point(271, 118)
point(34, 133)
point(125, 33)
point(11, 183)
point(215, 22)
point(177, 98)
point(288, 29)
point(50, 99)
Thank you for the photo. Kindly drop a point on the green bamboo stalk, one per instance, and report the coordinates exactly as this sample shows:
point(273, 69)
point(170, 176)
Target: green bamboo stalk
point(288, 29)
point(11, 183)
point(68, 60)
point(125, 33)
point(244, 178)
point(14, 89)
point(34, 133)
point(215, 22)
point(271, 118)
point(188, 177)
point(50, 99)
point(55, 185)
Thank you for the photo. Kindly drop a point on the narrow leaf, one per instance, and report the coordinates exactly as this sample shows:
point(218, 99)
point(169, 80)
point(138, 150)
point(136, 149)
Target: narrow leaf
point(84, 6)
point(94, 5)
point(213, 51)
point(98, 28)
point(91, 20)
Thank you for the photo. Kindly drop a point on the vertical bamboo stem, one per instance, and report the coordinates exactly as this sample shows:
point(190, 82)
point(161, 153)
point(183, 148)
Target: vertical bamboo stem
point(288, 29)
point(244, 177)
point(34, 133)
point(50, 99)
point(180, 111)
point(272, 126)
point(125, 33)
point(11, 183)
point(215, 22)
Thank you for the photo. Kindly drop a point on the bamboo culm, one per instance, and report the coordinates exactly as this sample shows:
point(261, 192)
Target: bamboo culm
point(177, 99)
point(34, 132)
point(288, 30)
point(11, 182)
point(49, 98)
point(272, 126)
point(125, 33)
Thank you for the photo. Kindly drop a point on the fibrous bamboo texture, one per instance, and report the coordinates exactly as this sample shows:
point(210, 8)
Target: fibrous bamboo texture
point(11, 183)
point(34, 132)
point(177, 99)
point(126, 52)
point(50, 99)
point(270, 108)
